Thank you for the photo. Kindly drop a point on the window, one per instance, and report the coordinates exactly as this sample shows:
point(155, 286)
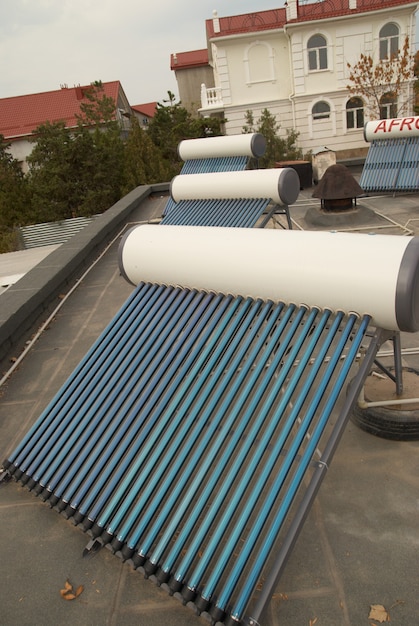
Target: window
point(320, 111)
point(317, 53)
point(388, 106)
point(389, 41)
point(355, 113)
point(259, 63)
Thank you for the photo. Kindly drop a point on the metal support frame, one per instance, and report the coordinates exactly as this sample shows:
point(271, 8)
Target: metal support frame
point(397, 377)
point(290, 539)
point(278, 210)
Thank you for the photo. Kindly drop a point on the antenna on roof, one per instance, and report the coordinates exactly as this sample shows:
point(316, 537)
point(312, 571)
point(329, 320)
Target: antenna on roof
point(64, 86)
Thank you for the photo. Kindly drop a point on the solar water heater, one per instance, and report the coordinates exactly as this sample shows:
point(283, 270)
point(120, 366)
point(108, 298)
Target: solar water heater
point(193, 437)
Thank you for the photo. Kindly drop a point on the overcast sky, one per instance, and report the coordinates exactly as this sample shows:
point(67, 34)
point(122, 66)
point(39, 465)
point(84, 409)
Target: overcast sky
point(47, 43)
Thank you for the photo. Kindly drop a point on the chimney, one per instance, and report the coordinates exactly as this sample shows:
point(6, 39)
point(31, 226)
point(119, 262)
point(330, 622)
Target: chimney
point(291, 10)
point(352, 4)
point(215, 21)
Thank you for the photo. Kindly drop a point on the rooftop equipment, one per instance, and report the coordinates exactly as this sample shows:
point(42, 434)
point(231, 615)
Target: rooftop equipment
point(194, 435)
point(392, 162)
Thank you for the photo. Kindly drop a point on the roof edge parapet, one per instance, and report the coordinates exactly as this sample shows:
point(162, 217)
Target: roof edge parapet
point(294, 12)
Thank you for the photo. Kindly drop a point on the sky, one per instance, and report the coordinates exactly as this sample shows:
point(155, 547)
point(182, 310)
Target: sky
point(48, 43)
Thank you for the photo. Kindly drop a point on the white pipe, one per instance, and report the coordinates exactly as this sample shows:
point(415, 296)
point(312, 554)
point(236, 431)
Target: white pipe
point(363, 404)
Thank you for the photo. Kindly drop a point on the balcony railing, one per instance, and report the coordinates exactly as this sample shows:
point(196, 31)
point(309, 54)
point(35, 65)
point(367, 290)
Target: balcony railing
point(211, 97)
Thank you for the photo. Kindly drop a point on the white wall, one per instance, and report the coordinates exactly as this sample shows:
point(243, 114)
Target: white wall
point(270, 70)
point(253, 69)
point(20, 149)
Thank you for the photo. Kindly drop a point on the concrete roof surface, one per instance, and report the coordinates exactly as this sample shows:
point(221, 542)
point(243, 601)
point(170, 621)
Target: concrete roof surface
point(359, 546)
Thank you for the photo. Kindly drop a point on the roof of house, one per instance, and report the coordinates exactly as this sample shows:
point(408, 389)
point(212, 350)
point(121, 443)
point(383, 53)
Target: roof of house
point(277, 18)
point(187, 60)
point(21, 115)
point(366, 505)
point(148, 109)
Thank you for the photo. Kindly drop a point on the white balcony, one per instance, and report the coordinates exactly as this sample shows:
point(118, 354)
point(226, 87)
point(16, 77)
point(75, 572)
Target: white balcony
point(211, 97)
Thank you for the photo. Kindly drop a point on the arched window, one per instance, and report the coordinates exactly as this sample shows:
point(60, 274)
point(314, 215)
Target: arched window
point(389, 41)
point(355, 113)
point(317, 53)
point(320, 111)
point(388, 106)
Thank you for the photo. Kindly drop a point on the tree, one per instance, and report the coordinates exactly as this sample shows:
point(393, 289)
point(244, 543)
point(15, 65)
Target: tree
point(383, 85)
point(143, 162)
point(97, 108)
point(79, 171)
point(58, 172)
point(171, 124)
point(14, 199)
point(105, 168)
point(277, 148)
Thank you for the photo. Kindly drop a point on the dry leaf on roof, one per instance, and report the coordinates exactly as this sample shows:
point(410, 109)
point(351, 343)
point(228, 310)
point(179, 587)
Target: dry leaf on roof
point(67, 596)
point(312, 621)
point(68, 593)
point(279, 596)
point(79, 590)
point(379, 613)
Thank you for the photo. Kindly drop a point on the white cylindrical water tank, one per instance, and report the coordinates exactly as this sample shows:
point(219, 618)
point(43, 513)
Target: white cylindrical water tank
point(282, 185)
point(391, 128)
point(369, 274)
point(247, 144)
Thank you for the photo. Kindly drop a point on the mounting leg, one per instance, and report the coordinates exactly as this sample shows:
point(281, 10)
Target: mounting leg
point(398, 368)
point(397, 377)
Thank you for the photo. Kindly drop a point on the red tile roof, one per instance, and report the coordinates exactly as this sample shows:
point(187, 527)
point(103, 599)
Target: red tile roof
point(247, 23)
point(337, 8)
point(20, 115)
point(186, 60)
point(148, 109)
point(276, 18)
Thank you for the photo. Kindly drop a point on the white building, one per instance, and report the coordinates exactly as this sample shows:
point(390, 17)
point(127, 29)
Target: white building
point(293, 61)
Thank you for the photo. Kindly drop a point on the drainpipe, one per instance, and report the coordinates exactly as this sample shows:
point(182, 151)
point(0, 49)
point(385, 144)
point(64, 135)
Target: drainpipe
point(292, 94)
point(411, 92)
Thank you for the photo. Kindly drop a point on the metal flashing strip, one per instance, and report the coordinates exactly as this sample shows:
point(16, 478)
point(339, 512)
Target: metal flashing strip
point(184, 438)
point(237, 212)
point(52, 233)
point(392, 165)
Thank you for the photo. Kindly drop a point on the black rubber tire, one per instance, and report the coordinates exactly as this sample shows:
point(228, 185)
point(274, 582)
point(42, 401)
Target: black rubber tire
point(387, 422)
point(382, 422)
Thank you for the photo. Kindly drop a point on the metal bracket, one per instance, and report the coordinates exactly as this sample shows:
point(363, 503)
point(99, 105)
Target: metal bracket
point(92, 547)
point(5, 476)
point(278, 210)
